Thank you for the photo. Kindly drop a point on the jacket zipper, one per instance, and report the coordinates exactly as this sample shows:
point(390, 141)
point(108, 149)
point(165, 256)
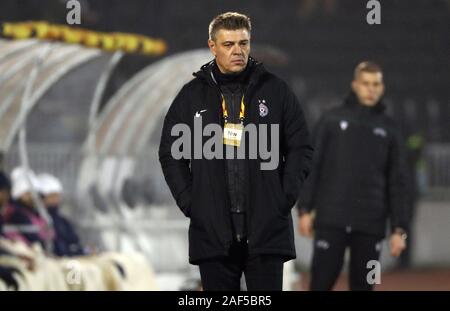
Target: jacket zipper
point(248, 212)
point(228, 241)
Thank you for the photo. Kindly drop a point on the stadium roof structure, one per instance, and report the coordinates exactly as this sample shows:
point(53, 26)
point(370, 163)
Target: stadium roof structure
point(31, 64)
point(18, 59)
point(123, 131)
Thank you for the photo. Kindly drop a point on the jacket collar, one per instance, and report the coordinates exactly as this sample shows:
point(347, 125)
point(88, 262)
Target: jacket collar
point(205, 74)
point(352, 102)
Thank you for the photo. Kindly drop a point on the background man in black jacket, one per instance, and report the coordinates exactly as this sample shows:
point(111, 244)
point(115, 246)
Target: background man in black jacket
point(358, 183)
point(240, 214)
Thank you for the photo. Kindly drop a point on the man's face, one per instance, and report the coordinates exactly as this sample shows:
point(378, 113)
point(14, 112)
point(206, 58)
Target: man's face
point(4, 197)
point(369, 87)
point(27, 199)
point(231, 49)
point(52, 199)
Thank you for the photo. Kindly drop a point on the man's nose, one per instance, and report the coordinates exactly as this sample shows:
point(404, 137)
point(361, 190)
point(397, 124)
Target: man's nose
point(237, 50)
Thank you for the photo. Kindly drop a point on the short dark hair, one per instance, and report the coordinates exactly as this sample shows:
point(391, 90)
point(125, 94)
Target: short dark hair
point(229, 21)
point(367, 66)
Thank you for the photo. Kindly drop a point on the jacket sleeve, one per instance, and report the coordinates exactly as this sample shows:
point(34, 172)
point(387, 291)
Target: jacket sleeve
point(306, 198)
point(296, 145)
point(176, 172)
point(398, 200)
point(19, 219)
point(71, 237)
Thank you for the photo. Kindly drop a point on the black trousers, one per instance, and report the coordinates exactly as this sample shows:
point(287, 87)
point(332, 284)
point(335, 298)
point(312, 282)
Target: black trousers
point(262, 272)
point(329, 250)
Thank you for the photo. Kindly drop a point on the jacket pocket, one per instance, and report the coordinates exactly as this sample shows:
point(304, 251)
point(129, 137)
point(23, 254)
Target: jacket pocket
point(184, 202)
point(281, 199)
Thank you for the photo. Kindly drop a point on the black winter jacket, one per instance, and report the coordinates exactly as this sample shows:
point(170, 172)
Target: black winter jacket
point(358, 179)
point(232, 87)
point(66, 242)
point(199, 185)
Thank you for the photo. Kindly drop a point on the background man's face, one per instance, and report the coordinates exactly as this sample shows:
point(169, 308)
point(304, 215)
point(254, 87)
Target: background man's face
point(52, 199)
point(4, 197)
point(231, 49)
point(368, 87)
point(27, 199)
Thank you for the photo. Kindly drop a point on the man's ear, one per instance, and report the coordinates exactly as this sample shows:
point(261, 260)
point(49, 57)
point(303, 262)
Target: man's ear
point(212, 46)
point(353, 85)
point(382, 89)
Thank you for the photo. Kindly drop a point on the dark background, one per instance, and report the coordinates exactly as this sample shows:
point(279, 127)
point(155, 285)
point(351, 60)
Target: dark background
point(313, 44)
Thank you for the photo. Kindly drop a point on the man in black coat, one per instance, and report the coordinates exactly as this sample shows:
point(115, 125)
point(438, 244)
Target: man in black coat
point(358, 184)
point(239, 208)
point(66, 242)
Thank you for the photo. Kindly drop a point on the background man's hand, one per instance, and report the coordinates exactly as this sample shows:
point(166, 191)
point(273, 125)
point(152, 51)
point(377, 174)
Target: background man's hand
point(305, 225)
point(397, 244)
